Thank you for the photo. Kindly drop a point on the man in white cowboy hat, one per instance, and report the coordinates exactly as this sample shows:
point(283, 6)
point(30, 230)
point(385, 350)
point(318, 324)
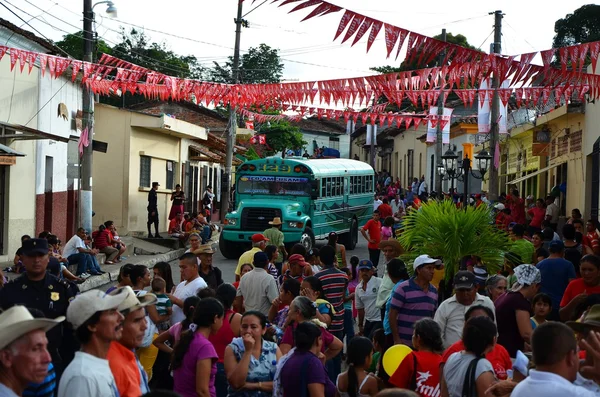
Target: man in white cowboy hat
point(212, 275)
point(130, 377)
point(24, 357)
point(97, 322)
point(275, 236)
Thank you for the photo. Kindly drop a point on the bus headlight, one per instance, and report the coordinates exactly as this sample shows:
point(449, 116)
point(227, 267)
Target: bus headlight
point(298, 225)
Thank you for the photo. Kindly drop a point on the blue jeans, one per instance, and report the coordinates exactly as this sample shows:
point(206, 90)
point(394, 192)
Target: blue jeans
point(85, 263)
point(205, 234)
point(221, 383)
point(348, 325)
point(334, 366)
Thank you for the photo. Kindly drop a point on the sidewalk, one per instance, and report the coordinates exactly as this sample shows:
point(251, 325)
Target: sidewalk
point(150, 254)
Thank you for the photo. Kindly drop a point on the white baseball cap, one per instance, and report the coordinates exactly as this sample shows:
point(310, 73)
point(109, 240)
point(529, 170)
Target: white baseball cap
point(499, 206)
point(423, 260)
point(18, 321)
point(85, 305)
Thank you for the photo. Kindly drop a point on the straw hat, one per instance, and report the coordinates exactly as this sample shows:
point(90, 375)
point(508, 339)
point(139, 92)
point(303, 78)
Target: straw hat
point(204, 249)
point(592, 319)
point(395, 244)
point(17, 321)
point(276, 221)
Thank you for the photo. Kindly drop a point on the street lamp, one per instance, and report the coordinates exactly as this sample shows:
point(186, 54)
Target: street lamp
point(111, 9)
point(449, 170)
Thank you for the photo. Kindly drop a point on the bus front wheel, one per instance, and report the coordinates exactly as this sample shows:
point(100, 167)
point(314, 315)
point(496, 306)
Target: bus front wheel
point(307, 239)
point(229, 249)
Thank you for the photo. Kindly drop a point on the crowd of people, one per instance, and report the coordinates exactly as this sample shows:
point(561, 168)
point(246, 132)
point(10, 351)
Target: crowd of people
point(316, 323)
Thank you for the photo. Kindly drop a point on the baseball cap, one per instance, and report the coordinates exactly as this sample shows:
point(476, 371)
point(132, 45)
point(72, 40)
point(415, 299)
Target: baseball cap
point(34, 247)
point(258, 237)
point(499, 206)
point(556, 246)
point(365, 264)
point(85, 305)
point(464, 280)
point(423, 260)
point(260, 258)
point(297, 259)
point(132, 301)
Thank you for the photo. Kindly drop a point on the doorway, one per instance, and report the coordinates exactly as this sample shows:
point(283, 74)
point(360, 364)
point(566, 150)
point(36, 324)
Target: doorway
point(48, 204)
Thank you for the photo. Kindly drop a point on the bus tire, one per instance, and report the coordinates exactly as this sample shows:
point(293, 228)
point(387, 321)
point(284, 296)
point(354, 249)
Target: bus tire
point(351, 238)
point(229, 249)
point(307, 239)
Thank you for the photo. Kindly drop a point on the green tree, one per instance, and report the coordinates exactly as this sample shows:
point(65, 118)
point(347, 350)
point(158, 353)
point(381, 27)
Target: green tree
point(72, 43)
point(439, 229)
point(260, 65)
point(281, 136)
point(582, 26)
point(459, 39)
point(136, 47)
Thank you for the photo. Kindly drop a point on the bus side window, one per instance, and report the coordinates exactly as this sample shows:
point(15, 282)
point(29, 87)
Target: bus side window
point(323, 187)
point(362, 184)
point(329, 187)
point(338, 188)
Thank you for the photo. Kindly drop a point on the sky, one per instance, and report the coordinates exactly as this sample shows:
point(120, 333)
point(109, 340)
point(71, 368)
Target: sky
point(206, 29)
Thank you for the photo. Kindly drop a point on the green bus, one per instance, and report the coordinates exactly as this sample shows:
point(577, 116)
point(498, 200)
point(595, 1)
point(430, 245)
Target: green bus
point(313, 197)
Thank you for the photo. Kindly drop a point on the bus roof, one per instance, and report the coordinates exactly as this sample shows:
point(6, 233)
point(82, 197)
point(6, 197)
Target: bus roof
point(323, 167)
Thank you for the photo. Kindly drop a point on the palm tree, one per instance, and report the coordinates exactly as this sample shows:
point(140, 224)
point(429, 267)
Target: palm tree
point(440, 229)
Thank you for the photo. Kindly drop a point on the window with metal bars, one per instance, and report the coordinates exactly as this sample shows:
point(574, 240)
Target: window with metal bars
point(145, 167)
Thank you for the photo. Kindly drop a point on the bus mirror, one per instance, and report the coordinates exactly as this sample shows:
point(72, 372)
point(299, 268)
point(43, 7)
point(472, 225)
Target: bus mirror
point(314, 190)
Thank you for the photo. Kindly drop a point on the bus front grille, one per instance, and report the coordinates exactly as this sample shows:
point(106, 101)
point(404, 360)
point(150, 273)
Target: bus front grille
point(257, 219)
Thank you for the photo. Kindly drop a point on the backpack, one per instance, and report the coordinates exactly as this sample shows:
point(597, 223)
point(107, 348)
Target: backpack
point(151, 329)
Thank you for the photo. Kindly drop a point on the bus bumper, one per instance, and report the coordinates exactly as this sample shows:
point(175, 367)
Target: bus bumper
point(246, 236)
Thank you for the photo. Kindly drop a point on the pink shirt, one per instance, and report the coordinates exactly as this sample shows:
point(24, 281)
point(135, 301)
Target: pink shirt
point(184, 377)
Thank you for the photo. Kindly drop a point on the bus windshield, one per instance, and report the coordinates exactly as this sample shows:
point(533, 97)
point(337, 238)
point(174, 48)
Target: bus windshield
point(277, 185)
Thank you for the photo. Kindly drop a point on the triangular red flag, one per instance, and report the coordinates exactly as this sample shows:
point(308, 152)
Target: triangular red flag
point(307, 3)
point(373, 34)
point(391, 36)
point(364, 27)
point(354, 25)
point(346, 18)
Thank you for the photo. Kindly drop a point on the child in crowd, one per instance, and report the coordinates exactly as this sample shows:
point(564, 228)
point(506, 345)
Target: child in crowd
point(356, 381)
point(312, 257)
point(387, 231)
point(378, 339)
point(164, 306)
point(542, 307)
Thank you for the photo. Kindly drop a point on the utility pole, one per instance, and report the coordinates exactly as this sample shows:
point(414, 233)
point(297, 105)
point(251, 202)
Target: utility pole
point(438, 135)
point(85, 188)
point(226, 179)
point(373, 132)
point(495, 111)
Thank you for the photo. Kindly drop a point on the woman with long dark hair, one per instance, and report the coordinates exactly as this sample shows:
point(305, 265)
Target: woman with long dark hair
point(231, 329)
point(426, 358)
point(340, 250)
point(163, 270)
point(194, 357)
point(356, 381)
point(250, 361)
point(303, 372)
point(178, 198)
point(468, 373)
point(312, 288)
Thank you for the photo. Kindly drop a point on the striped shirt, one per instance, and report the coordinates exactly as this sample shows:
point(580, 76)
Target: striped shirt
point(334, 286)
point(412, 304)
point(45, 389)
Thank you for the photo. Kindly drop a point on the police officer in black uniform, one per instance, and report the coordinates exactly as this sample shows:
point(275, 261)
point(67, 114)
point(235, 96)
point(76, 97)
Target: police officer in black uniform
point(40, 290)
point(153, 210)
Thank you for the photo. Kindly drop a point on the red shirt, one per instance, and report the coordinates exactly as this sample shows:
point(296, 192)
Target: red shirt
point(374, 229)
point(503, 220)
point(498, 357)
point(385, 210)
point(102, 240)
point(575, 288)
point(427, 373)
point(594, 240)
point(223, 338)
point(537, 216)
point(174, 225)
point(517, 209)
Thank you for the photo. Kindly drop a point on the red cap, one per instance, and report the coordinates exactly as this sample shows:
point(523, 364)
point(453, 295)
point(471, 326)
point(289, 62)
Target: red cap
point(297, 259)
point(257, 238)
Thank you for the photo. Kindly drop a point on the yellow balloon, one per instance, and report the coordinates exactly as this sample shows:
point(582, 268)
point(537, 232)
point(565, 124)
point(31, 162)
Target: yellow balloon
point(393, 358)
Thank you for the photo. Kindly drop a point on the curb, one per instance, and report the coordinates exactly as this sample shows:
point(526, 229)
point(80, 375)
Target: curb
point(111, 276)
